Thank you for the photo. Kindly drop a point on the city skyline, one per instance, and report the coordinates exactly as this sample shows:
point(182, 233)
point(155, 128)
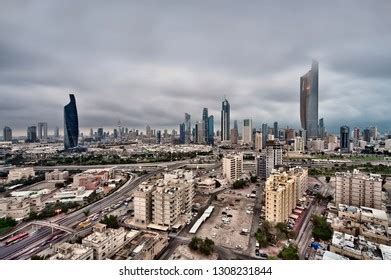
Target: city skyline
point(259, 79)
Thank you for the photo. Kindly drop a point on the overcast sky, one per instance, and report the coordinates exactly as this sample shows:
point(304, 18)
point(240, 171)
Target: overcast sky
point(149, 62)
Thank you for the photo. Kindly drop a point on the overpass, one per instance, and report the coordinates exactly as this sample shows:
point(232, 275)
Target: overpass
point(42, 224)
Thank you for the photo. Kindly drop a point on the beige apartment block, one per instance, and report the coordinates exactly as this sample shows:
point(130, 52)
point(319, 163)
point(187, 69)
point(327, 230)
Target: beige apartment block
point(280, 196)
point(68, 251)
point(233, 167)
point(358, 189)
point(301, 180)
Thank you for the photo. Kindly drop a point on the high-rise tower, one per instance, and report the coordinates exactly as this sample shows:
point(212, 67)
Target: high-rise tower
point(225, 120)
point(309, 86)
point(71, 124)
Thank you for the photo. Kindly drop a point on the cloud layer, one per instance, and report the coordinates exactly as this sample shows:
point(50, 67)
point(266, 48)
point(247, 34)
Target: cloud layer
point(149, 62)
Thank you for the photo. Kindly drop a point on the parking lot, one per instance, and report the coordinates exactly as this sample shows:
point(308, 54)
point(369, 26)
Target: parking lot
point(230, 222)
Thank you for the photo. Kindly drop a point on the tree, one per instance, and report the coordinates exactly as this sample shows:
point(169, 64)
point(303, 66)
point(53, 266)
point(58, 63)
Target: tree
point(239, 184)
point(59, 185)
point(207, 246)
point(322, 230)
point(194, 243)
point(328, 179)
point(111, 221)
point(7, 222)
point(86, 212)
point(253, 179)
point(218, 184)
point(289, 253)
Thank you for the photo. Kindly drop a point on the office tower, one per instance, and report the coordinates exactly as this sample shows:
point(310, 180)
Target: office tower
point(91, 132)
point(269, 159)
point(199, 133)
point(56, 132)
point(344, 139)
point(265, 134)
point(322, 130)
point(234, 136)
point(205, 124)
point(42, 131)
point(309, 101)
point(303, 134)
point(182, 133)
point(290, 134)
point(298, 144)
point(275, 130)
point(258, 142)
point(71, 124)
point(233, 167)
point(158, 137)
point(225, 120)
point(187, 128)
point(148, 131)
point(7, 134)
point(115, 133)
point(373, 132)
point(32, 134)
point(281, 135)
point(211, 128)
point(367, 135)
point(358, 189)
point(100, 133)
point(247, 131)
point(280, 197)
point(356, 133)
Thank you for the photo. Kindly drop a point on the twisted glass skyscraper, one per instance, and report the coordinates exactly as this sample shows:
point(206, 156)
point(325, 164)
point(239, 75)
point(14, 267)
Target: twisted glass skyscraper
point(309, 101)
point(71, 124)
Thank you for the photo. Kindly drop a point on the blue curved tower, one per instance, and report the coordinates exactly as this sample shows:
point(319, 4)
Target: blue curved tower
point(71, 124)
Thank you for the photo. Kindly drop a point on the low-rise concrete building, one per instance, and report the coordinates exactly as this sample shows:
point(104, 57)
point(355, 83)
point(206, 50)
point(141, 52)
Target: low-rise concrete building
point(105, 241)
point(20, 173)
point(68, 251)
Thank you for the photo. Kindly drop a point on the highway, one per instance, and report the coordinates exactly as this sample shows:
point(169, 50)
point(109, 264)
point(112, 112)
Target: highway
point(44, 234)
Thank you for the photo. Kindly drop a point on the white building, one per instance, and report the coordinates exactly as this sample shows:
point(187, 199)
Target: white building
point(20, 173)
point(68, 251)
point(247, 131)
point(72, 194)
point(358, 189)
point(233, 167)
point(269, 159)
point(105, 241)
point(258, 141)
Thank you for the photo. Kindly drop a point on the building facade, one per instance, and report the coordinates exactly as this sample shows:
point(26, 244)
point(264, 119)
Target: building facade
point(71, 124)
point(309, 101)
point(225, 120)
point(233, 167)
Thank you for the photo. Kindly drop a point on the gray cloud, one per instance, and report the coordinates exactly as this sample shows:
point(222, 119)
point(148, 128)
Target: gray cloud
point(149, 62)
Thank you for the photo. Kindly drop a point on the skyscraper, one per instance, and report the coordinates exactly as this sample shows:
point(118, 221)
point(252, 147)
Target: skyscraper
point(57, 132)
point(211, 128)
point(269, 159)
point(309, 101)
point(275, 130)
point(182, 133)
point(32, 134)
point(71, 124)
point(265, 134)
point(187, 128)
point(158, 137)
point(322, 130)
point(42, 131)
point(247, 131)
point(225, 120)
point(367, 135)
point(344, 139)
point(205, 124)
point(7, 134)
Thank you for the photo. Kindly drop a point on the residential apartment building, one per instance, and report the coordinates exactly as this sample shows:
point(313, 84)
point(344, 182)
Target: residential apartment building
point(281, 198)
point(143, 204)
point(233, 167)
point(269, 159)
point(300, 174)
point(57, 175)
point(358, 189)
point(105, 241)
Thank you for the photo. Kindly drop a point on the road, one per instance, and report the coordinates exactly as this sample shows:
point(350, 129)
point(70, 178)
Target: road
point(20, 248)
point(256, 219)
point(304, 236)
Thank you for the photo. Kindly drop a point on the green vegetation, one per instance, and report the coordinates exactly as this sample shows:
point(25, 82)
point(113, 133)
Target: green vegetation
point(206, 246)
point(6, 223)
point(266, 234)
point(110, 221)
point(239, 184)
point(52, 210)
point(322, 230)
point(366, 168)
point(289, 253)
point(86, 212)
point(328, 178)
point(253, 179)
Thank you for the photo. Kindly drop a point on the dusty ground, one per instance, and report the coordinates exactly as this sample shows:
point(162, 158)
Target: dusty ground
point(183, 252)
point(235, 203)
